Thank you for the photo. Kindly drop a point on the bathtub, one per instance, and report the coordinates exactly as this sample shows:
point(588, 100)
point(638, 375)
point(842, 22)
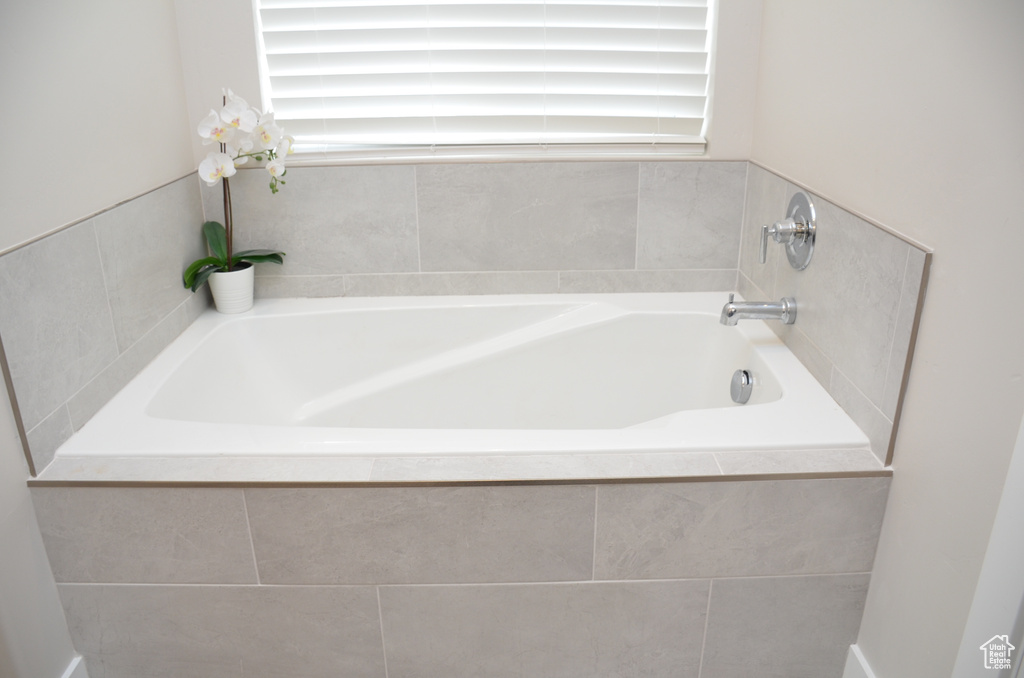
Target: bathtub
point(440, 376)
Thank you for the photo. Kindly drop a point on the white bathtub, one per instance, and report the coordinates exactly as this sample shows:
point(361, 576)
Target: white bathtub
point(468, 375)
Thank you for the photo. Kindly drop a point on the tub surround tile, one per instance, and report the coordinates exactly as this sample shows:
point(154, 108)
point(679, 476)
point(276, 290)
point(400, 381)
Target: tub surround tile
point(797, 461)
point(269, 286)
point(849, 297)
point(907, 315)
point(857, 302)
point(567, 630)
point(328, 220)
point(766, 201)
point(422, 535)
point(55, 319)
point(209, 470)
point(145, 244)
point(867, 416)
point(807, 352)
point(690, 214)
point(451, 469)
point(266, 631)
point(586, 282)
point(94, 395)
point(527, 216)
point(738, 529)
point(541, 467)
point(419, 284)
point(782, 627)
point(145, 535)
point(48, 435)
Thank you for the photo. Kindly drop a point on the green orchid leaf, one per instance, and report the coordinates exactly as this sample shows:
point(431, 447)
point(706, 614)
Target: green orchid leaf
point(217, 239)
point(190, 273)
point(203, 275)
point(258, 257)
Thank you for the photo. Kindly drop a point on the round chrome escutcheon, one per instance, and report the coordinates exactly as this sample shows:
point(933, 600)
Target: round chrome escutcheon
point(741, 387)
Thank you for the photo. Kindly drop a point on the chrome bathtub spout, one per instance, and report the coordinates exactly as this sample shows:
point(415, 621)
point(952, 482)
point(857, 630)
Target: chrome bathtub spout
point(734, 311)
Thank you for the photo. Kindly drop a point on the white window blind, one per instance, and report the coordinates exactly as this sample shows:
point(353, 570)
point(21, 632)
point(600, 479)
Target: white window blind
point(398, 73)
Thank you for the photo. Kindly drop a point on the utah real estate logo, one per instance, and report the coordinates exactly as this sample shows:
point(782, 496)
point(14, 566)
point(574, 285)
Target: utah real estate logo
point(997, 652)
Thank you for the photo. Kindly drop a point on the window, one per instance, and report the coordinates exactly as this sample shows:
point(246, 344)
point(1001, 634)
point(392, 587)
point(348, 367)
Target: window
point(391, 76)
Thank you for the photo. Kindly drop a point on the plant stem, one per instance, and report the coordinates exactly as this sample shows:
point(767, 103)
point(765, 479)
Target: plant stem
point(227, 219)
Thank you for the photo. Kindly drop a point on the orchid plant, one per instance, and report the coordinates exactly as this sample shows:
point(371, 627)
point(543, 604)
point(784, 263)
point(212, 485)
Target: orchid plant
point(243, 133)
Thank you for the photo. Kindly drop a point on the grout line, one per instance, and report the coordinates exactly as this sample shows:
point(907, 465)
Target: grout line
point(743, 218)
point(106, 289)
point(252, 542)
point(593, 555)
point(416, 209)
point(707, 620)
point(383, 646)
point(636, 241)
point(570, 582)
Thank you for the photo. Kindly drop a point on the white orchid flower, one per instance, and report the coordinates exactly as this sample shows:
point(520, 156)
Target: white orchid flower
point(240, 147)
point(214, 131)
point(276, 168)
point(215, 167)
point(237, 114)
point(267, 133)
point(285, 146)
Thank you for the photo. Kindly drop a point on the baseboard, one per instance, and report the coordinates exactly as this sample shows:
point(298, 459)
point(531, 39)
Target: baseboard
point(856, 665)
point(76, 669)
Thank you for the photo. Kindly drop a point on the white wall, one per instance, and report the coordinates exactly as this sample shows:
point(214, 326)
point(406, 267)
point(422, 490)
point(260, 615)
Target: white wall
point(93, 114)
point(910, 113)
point(34, 640)
point(998, 607)
point(92, 108)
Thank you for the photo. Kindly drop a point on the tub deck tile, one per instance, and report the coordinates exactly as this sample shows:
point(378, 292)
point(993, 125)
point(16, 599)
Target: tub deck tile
point(540, 468)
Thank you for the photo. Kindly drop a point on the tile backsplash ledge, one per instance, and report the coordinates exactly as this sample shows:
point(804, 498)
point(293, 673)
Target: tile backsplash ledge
point(85, 309)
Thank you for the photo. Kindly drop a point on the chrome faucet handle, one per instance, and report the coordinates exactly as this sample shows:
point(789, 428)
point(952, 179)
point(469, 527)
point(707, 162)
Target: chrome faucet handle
point(796, 233)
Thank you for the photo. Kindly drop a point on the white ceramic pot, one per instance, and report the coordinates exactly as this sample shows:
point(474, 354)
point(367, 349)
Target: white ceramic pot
point(232, 290)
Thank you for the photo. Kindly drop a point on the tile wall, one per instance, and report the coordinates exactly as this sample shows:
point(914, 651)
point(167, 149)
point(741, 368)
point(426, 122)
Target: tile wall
point(493, 228)
point(83, 310)
point(857, 302)
point(698, 579)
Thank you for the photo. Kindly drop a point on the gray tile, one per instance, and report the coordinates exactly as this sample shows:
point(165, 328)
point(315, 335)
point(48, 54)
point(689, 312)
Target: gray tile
point(54, 319)
point(727, 529)
point(199, 302)
point(48, 435)
point(690, 214)
point(712, 280)
point(530, 216)
point(251, 631)
point(545, 467)
point(291, 286)
point(493, 282)
point(151, 535)
point(797, 461)
point(812, 357)
point(145, 245)
point(766, 203)
point(227, 469)
point(422, 534)
point(94, 395)
point(907, 314)
point(566, 630)
point(328, 220)
point(790, 627)
point(864, 413)
point(848, 299)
